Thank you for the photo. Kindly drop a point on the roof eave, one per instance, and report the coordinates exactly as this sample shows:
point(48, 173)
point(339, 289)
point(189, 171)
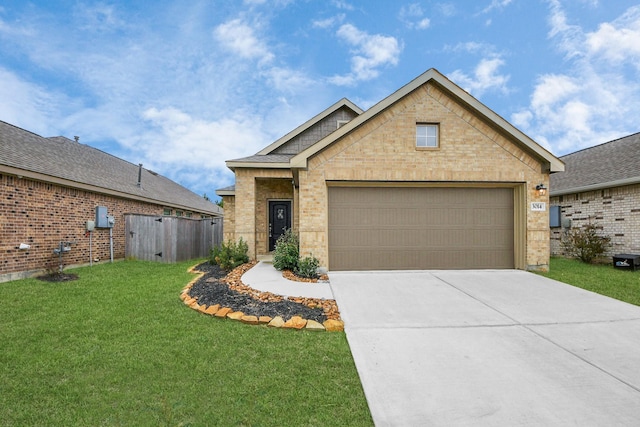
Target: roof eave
point(231, 164)
point(217, 211)
point(595, 187)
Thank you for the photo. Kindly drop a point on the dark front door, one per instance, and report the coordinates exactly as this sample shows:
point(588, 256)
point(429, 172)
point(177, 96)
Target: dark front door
point(279, 220)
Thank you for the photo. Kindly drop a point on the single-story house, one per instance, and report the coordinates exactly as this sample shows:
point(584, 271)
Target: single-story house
point(50, 188)
point(428, 178)
point(600, 185)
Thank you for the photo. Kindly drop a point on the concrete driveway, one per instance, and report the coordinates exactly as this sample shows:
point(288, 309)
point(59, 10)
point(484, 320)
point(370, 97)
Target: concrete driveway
point(500, 348)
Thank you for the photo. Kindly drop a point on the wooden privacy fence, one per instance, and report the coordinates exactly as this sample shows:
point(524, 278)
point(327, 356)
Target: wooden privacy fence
point(170, 239)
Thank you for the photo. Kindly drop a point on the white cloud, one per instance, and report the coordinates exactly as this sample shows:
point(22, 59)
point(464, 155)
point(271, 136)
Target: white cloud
point(618, 41)
point(98, 17)
point(446, 9)
point(496, 4)
point(485, 77)
point(413, 17)
point(179, 142)
point(341, 4)
point(370, 52)
point(595, 99)
point(240, 38)
point(32, 107)
point(328, 22)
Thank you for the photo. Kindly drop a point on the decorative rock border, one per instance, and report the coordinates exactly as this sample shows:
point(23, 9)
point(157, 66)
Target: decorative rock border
point(233, 280)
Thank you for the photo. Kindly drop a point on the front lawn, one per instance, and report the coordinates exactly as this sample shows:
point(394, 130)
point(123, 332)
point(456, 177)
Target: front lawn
point(603, 279)
point(118, 347)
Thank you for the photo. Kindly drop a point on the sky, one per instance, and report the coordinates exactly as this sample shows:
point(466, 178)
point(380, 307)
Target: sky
point(182, 86)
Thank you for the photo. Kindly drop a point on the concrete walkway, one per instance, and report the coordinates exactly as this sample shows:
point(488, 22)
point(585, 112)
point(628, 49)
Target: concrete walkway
point(264, 277)
point(498, 348)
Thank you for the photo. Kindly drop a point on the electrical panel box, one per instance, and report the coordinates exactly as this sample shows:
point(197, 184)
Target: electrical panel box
point(91, 225)
point(555, 217)
point(101, 217)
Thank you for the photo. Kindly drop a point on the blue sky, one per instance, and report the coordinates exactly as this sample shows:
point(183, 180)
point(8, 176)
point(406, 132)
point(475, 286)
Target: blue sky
point(182, 86)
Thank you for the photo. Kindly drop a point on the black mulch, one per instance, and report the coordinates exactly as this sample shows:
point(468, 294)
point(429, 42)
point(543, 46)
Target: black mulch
point(58, 277)
point(211, 292)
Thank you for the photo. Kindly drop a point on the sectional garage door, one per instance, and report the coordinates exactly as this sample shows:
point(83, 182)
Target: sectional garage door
point(383, 228)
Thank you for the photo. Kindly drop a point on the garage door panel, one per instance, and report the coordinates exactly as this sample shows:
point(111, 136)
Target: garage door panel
point(420, 228)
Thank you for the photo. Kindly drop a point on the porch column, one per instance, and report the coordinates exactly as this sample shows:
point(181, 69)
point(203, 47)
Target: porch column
point(246, 210)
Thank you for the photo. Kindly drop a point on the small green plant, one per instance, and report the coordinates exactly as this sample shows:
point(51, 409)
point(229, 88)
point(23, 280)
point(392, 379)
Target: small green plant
point(230, 255)
point(585, 243)
point(287, 251)
point(307, 267)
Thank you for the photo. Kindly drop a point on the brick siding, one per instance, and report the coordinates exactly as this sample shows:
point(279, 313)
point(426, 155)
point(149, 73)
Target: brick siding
point(41, 214)
point(616, 210)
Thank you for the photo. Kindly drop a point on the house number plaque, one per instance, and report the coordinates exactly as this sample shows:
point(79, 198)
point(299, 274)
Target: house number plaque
point(538, 206)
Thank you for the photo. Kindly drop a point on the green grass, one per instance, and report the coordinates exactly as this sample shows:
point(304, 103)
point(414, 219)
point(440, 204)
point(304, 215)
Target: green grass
point(118, 347)
point(603, 279)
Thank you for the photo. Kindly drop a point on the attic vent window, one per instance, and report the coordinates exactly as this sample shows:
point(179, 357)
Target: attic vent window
point(427, 136)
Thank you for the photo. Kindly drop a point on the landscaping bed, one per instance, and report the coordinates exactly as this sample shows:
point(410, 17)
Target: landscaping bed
point(224, 295)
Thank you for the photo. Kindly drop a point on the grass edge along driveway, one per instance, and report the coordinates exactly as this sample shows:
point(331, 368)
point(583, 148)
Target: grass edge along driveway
point(599, 278)
point(118, 347)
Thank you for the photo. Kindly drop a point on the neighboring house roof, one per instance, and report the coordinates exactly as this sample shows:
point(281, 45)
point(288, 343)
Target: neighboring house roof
point(65, 162)
point(607, 165)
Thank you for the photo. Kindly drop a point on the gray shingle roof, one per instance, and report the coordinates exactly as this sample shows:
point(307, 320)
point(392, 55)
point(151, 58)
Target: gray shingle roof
point(265, 158)
point(62, 158)
point(610, 164)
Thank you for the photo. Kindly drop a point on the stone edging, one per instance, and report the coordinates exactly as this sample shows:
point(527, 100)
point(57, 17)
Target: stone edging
point(233, 279)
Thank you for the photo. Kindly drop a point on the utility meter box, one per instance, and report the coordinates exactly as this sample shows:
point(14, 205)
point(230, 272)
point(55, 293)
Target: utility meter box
point(102, 220)
point(91, 225)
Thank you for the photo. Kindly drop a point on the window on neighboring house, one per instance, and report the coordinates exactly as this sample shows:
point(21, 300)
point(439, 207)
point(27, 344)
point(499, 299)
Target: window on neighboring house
point(427, 136)
point(179, 213)
point(189, 214)
point(167, 212)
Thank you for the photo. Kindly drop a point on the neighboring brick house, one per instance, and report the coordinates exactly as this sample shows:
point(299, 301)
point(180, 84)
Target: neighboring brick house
point(601, 185)
point(50, 188)
point(427, 178)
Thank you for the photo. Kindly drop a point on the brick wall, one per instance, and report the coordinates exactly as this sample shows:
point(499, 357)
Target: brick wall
point(229, 221)
point(42, 214)
point(616, 210)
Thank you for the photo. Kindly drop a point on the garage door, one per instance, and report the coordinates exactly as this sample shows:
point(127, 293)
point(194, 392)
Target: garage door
point(420, 228)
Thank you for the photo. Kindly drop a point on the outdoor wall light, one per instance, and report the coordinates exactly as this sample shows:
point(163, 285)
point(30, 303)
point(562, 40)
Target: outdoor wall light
point(541, 189)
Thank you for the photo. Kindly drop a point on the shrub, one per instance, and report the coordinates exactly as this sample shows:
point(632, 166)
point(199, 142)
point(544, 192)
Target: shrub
point(286, 251)
point(230, 255)
point(307, 267)
point(585, 243)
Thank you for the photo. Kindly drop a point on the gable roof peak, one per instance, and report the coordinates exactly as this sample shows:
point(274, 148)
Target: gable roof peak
point(553, 164)
point(344, 102)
